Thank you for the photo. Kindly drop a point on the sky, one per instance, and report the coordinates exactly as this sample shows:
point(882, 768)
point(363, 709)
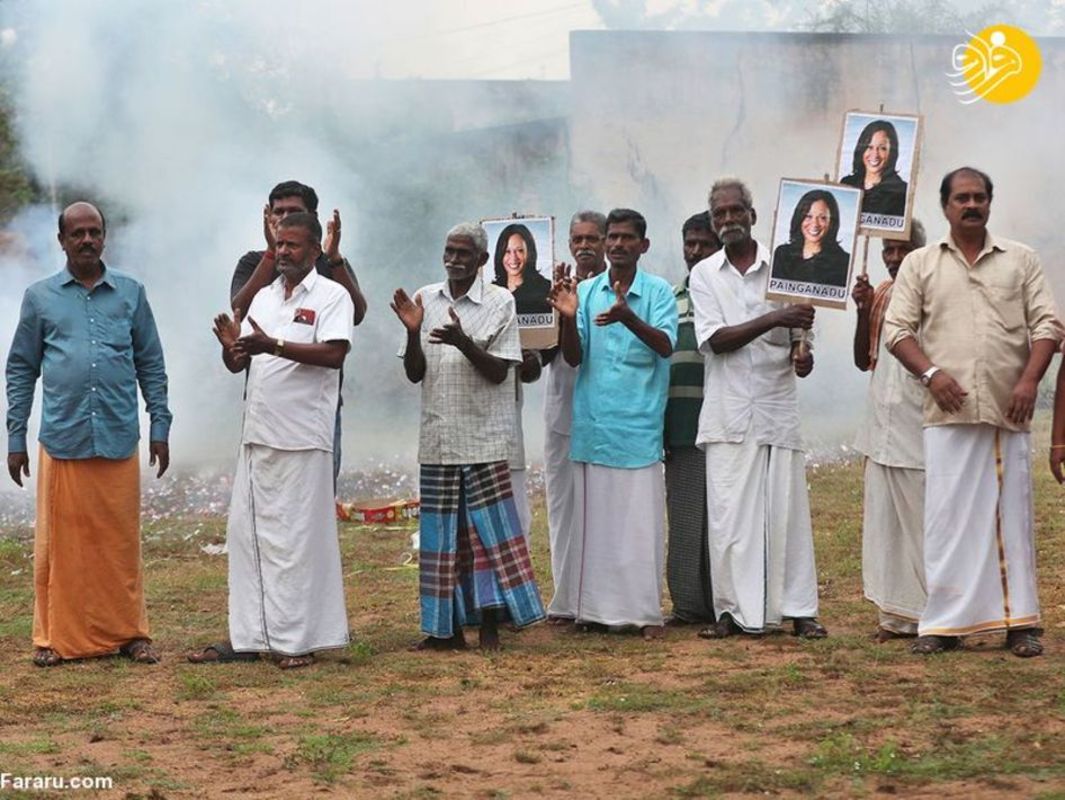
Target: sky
point(529, 39)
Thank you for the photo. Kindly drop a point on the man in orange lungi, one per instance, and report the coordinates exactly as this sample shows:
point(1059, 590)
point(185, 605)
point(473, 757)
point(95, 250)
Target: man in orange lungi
point(89, 334)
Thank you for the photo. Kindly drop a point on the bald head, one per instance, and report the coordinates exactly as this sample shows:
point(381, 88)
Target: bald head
point(81, 206)
point(81, 235)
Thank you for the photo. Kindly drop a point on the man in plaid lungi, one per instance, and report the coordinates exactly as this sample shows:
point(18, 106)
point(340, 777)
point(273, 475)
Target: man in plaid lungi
point(462, 340)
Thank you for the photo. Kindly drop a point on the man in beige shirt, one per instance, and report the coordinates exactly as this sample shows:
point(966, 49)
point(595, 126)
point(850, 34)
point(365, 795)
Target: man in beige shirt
point(986, 316)
point(891, 440)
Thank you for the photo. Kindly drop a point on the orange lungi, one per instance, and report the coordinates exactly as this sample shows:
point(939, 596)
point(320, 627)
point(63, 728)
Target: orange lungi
point(87, 569)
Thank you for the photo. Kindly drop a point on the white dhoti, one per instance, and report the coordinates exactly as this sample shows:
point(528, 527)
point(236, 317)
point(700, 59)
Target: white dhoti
point(892, 545)
point(286, 591)
point(622, 542)
point(521, 501)
point(761, 542)
point(979, 547)
point(563, 516)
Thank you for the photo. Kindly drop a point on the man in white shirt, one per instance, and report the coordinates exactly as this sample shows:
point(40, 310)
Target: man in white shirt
point(761, 541)
point(461, 346)
point(286, 592)
point(890, 439)
point(587, 242)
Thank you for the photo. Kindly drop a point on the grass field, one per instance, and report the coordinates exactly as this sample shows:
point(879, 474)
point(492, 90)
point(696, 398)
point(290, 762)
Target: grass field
point(556, 714)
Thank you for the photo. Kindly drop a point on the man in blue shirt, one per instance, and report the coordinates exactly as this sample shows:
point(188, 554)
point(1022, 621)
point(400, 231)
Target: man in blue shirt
point(89, 334)
point(620, 329)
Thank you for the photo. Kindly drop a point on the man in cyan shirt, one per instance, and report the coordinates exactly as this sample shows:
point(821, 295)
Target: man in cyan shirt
point(89, 334)
point(619, 328)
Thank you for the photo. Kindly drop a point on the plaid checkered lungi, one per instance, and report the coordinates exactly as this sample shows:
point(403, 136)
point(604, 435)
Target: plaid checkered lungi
point(473, 555)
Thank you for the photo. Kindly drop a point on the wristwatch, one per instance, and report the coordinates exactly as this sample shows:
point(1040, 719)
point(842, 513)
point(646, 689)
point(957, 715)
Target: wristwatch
point(281, 346)
point(926, 376)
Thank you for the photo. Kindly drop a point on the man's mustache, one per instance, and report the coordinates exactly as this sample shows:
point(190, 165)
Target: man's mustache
point(972, 213)
point(579, 253)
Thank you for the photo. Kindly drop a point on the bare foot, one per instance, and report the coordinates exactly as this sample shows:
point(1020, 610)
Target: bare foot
point(884, 635)
point(456, 642)
point(650, 632)
point(489, 634)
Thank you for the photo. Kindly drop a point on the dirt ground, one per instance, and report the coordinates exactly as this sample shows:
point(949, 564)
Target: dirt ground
point(555, 714)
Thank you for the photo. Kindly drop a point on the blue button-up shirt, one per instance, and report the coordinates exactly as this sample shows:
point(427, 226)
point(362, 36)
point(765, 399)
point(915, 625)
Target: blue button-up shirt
point(622, 384)
point(91, 347)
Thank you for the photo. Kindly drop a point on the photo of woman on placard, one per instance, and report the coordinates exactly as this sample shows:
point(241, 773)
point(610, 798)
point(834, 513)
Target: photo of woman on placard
point(813, 253)
point(515, 269)
point(873, 170)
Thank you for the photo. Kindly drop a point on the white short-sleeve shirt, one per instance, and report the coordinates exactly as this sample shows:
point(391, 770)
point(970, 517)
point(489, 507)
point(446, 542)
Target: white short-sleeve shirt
point(750, 390)
point(292, 406)
point(467, 419)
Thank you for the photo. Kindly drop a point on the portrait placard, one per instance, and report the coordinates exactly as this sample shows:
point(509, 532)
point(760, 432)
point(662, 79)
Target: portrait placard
point(879, 153)
point(521, 258)
point(814, 232)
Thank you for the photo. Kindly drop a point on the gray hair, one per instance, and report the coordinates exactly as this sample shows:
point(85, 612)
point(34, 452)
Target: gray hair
point(474, 231)
point(730, 182)
point(589, 216)
point(918, 238)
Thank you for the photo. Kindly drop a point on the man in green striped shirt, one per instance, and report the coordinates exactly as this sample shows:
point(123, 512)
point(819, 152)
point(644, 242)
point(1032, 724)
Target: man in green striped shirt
point(688, 562)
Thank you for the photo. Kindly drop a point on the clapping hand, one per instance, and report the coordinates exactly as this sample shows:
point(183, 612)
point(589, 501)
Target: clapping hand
point(255, 343)
point(269, 230)
point(331, 246)
point(451, 333)
point(410, 312)
point(563, 294)
point(619, 312)
point(227, 330)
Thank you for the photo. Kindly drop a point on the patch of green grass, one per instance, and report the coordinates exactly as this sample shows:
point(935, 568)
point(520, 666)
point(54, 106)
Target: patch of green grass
point(330, 755)
point(38, 746)
point(642, 697)
point(195, 685)
point(13, 551)
point(750, 777)
point(17, 627)
point(975, 757)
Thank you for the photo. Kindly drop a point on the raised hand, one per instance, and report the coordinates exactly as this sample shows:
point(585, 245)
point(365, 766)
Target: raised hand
point(410, 312)
point(331, 246)
point(862, 293)
point(255, 343)
point(269, 231)
point(563, 295)
point(619, 312)
point(451, 334)
point(227, 330)
point(796, 316)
